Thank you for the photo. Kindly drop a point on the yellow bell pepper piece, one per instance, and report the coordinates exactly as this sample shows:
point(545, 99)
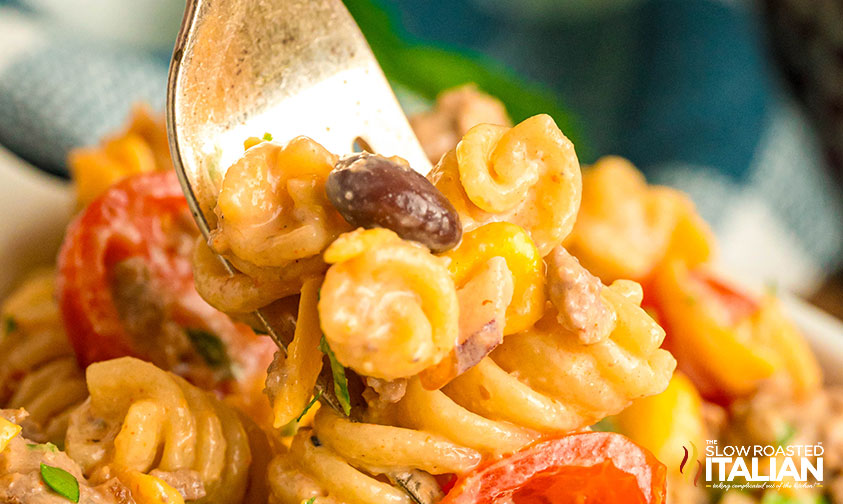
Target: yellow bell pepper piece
point(513, 243)
point(728, 342)
point(666, 423)
point(148, 489)
point(8, 431)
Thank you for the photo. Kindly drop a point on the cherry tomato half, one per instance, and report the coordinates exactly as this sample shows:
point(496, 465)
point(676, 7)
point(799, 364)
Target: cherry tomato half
point(582, 468)
point(125, 287)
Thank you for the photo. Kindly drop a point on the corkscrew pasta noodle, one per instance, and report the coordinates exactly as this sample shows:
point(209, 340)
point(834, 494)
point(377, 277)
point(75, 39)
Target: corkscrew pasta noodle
point(567, 384)
point(528, 175)
point(272, 208)
point(140, 418)
point(38, 370)
point(625, 227)
point(388, 307)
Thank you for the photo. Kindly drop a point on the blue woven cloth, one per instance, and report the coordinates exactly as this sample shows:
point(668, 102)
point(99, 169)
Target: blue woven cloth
point(684, 89)
point(60, 90)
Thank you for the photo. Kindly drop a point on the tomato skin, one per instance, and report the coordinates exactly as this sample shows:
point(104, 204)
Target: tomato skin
point(124, 222)
point(586, 467)
point(145, 218)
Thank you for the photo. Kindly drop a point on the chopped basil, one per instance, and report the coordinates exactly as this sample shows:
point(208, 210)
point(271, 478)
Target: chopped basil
point(608, 424)
point(10, 324)
point(309, 501)
point(309, 405)
point(47, 447)
point(267, 136)
point(210, 347)
point(340, 381)
point(61, 481)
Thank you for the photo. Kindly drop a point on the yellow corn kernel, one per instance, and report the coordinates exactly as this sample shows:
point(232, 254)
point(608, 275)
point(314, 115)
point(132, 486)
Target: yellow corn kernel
point(251, 142)
point(148, 489)
point(514, 244)
point(666, 423)
point(8, 431)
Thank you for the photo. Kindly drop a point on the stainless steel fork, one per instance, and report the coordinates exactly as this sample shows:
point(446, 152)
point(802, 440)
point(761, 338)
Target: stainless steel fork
point(241, 68)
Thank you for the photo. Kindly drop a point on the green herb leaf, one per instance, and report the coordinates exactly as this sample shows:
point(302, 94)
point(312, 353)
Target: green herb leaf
point(608, 424)
point(786, 434)
point(47, 447)
point(340, 381)
point(10, 324)
point(309, 405)
point(210, 347)
point(267, 136)
point(309, 501)
point(61, 481)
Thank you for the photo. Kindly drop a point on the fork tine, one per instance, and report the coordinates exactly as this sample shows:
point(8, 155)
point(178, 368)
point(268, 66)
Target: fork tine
point(304, 69)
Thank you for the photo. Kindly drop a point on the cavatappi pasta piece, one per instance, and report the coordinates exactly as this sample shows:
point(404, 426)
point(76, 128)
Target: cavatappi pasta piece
point(341, 461)
point(388, 307)
point(38, 370)
point(291, 378)
point(528, 175)
point(250, 287)
point(625, 227)
point(274, 221)
point(141, 418)
point(141, 147)
point(546, 379)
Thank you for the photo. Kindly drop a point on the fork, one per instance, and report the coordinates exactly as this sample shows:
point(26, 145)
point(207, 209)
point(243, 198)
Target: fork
point(288, 67)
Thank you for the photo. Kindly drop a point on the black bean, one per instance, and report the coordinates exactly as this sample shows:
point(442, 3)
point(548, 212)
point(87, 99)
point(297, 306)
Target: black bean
point(373, 191)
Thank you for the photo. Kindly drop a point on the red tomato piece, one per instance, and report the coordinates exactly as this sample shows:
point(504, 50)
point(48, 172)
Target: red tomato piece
point(736, 303)
point(125, 287)
point(583, 468)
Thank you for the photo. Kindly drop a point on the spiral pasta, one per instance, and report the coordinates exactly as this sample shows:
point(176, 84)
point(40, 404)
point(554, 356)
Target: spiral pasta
point(625, 227)
point(274, 221)
point(528, 175)
point(546, 379)
point(542, 380)
point(141, 418)
point(38, 370)
point(388, 307)
point(337, 461)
